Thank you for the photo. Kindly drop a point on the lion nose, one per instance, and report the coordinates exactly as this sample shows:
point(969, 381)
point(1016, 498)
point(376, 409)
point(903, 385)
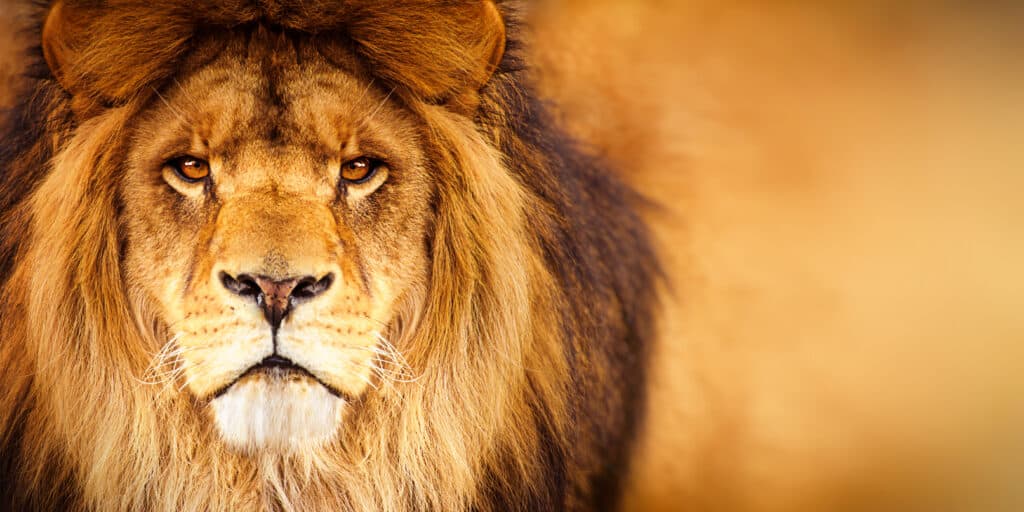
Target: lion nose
point(276, 297)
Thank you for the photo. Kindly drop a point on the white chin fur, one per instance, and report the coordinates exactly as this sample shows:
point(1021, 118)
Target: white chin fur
point(281, 415)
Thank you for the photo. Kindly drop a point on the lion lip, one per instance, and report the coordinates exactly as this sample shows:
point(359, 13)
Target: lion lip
point(279, 367)
point(276, 361)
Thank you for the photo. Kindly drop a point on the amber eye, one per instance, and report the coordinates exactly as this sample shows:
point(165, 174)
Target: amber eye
point(360, 170)
point(190, 168)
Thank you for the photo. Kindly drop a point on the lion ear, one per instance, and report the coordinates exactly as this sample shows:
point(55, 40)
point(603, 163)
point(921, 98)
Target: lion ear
point(443, 54)
point(62, 40)
point(103, 55)
point(490, 49)
point(55, 47)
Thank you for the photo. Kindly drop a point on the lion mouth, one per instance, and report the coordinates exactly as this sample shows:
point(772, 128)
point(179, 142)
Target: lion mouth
point(277, 368)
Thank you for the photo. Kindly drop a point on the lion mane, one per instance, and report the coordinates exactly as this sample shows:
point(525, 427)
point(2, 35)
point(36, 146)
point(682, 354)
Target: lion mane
point(535, 329)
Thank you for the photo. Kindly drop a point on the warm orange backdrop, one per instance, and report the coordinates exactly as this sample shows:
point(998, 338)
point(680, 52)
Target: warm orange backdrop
point(840, 209)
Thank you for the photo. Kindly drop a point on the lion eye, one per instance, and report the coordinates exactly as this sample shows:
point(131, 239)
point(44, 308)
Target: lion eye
point(190, 169)
point(360, 170)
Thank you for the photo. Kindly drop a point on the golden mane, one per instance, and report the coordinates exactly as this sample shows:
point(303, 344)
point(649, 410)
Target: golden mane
point(535, 328)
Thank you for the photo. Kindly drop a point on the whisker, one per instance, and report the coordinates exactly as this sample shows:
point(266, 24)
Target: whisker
point(186, 94)
point(383, 102)
point(177, 113)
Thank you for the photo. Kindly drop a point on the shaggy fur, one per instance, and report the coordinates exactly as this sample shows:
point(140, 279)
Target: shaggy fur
point(530, 343)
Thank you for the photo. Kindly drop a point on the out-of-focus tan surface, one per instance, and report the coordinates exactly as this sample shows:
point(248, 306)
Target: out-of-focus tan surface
point(842, 214)
point(842, 220)
point(12, 41)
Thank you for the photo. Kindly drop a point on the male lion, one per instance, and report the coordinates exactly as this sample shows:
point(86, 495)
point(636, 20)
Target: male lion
point(309, 255)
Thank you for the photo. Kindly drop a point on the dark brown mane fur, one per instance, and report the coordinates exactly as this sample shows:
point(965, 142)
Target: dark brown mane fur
point(582, 217)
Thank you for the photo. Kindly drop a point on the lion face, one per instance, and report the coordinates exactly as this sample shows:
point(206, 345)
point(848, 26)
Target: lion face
point(275, 211)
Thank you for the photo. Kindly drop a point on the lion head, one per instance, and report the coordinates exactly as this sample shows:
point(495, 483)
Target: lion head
point(279, 236)
point(310, 255)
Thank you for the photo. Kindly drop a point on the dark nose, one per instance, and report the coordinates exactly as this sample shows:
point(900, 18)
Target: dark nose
point(276, 297)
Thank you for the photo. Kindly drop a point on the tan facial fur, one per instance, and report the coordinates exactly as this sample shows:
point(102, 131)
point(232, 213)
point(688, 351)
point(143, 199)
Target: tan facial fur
point(274, 205)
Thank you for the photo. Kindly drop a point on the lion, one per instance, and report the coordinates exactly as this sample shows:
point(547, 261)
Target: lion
point(326, 255)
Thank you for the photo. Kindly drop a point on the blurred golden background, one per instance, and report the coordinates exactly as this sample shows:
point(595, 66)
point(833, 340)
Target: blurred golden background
point(841, 196)
point(838, 200)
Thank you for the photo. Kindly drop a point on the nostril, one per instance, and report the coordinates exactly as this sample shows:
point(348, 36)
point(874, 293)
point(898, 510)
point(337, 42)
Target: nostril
point(244, 284)
point(276, 297)
point(309, 287)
